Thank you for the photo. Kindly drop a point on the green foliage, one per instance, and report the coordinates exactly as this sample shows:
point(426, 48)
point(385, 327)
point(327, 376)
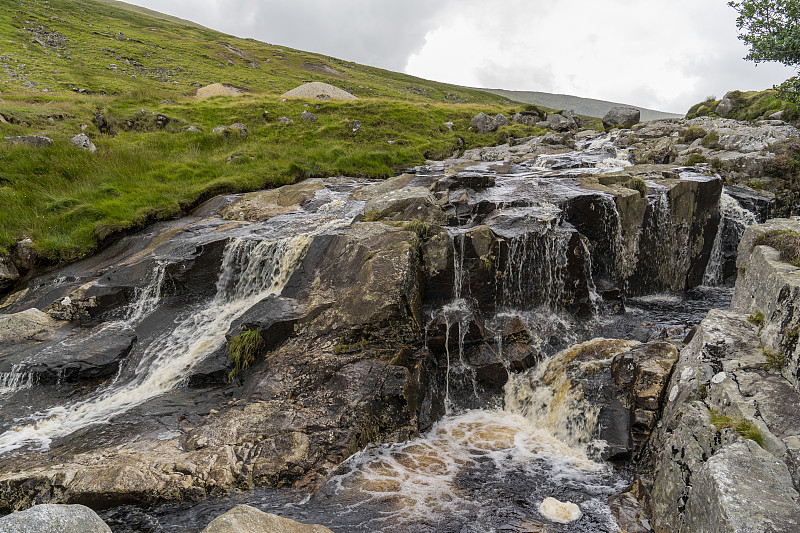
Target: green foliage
point(786, 242)
point(696, 159)
point(243, 349)
point(775, 361)
point(756, 185)
point(373, 215)
point(711, 141)
point(770, 29)
point(744, 428)
point(757, 319)
point(638, 184)
point(692, 133)
point(419, 227)
point(70, 202)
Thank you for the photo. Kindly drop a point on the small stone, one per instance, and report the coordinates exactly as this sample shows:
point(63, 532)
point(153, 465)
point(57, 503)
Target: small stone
point(307, 116)
point(561, 512)
point(285, 120)
point(83, 142)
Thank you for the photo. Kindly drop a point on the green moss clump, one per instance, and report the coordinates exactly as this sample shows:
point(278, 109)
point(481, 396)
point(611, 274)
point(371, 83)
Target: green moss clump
point(243, 349)
point(373, 215)
point(693, 133)
point(775, 361)
point(711, 141)
point(786, 242)
point(744, 428)
point(696, 159)
point(638, 184)
point(757, 319)
point(419, 227)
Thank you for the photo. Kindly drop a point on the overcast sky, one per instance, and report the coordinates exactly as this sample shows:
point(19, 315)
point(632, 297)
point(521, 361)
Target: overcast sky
point(660, 54)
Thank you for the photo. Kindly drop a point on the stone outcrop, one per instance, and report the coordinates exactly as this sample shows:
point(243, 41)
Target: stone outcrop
point(483, 123)
point(33, 141)
point(621, 117)
point(768, 289)
point(725, 455)
point(246, 519)
point(55, 518)
point(83, 142)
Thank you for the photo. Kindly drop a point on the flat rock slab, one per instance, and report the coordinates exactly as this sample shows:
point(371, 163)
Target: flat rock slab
point(246, 519)
point(50, 518)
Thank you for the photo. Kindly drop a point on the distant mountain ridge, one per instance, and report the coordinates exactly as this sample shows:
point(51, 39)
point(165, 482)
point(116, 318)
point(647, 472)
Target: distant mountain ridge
point(582, 106)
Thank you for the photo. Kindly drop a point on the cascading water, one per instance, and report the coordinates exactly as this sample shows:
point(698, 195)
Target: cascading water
point(733, 221)
point(251, 271)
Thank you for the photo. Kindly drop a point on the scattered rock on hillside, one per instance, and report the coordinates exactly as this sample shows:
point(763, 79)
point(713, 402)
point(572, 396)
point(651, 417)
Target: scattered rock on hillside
point(83, 142)
point(621, 116)
point(322, 91)
point(449, 125)
point(285, 120)
point(725, 106)
point(34, 141)
point(308, 116)
point(560, 122)
point(527, 118)
point(194, 129)
point(54, 518)
point(246, 519)
point(483, 123)
point(233, 129)
point(220, 89)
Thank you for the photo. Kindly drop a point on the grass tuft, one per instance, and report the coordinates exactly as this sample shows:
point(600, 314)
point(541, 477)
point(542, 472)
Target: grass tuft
point(243, 349)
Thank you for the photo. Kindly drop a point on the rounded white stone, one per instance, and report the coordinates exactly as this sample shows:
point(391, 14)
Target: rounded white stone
point(561, 512)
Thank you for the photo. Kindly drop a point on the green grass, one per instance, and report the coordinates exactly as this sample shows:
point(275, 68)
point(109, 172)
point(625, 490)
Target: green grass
point(71, 202)
point(750, 105)
point(243, 349)
point(744, 428)
point(757, 319)
point(786, 242)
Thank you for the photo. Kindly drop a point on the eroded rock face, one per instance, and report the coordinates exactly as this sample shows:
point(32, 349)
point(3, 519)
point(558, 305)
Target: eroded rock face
point(706, 474)
point(378, 291)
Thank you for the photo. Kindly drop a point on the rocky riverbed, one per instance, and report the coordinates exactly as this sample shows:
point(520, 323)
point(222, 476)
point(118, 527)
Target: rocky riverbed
point(507, 317)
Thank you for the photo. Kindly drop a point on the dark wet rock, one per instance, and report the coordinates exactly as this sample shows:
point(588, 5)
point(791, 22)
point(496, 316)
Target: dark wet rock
point(78, 356)
point(55, 518)
point(760, 203)
point(629, 513)
point(246, 519)
point(621, 116)
point(34, 141)
point(406, 204)
point(492, 363)
point(8, 272)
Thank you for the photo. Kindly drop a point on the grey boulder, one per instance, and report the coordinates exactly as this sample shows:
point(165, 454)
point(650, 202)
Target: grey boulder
point(51, 518)
point(621, 116)
point(34, 141)
point(83, 142)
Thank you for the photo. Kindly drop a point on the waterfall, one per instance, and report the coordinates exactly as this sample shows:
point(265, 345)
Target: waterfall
point(16, 380)
point(251, 271)
point(734, 219)
point(146, 298)
point(535, 268)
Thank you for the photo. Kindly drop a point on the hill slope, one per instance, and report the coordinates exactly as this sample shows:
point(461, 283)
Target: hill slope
point(582, 106)
point(127, 78)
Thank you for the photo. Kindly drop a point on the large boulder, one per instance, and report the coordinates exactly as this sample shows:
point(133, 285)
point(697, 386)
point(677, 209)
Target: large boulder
point(262, 205)
point(246, 519)
point(34, 141)
point(51, 518)
point(621, 116)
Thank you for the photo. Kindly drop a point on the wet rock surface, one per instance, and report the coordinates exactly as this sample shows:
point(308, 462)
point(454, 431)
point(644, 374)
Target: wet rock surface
point(376, 308)
point(61, 518)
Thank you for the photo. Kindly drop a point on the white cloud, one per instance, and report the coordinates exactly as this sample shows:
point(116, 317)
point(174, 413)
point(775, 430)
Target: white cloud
point(663, 54)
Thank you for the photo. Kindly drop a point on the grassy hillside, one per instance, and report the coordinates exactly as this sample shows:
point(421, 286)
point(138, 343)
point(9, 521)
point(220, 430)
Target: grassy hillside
point(582, 106)
point(750, 105)
point(63, 62)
